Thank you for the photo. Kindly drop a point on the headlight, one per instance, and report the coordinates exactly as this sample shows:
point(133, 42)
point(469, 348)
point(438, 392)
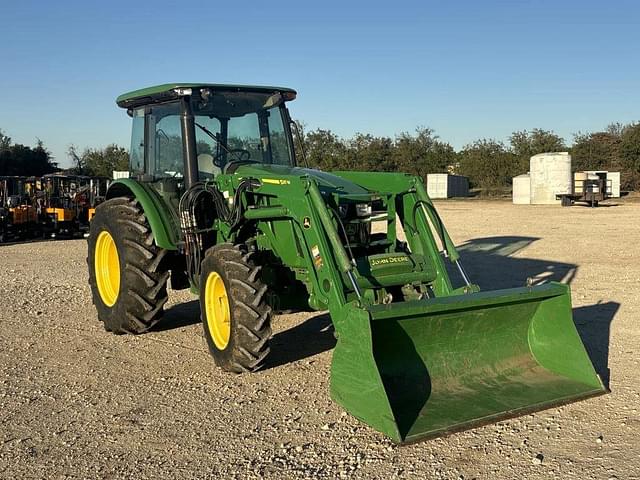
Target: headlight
point(363, 209)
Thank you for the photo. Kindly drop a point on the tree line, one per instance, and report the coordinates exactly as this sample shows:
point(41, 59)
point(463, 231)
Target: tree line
point(25, 161)
point(98, 162)
point(490, 164)
point(22, 160)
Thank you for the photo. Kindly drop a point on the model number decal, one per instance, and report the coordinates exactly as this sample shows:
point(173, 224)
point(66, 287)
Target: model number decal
point(275, 181)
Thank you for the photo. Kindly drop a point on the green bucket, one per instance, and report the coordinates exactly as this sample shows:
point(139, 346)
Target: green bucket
point(422, 369)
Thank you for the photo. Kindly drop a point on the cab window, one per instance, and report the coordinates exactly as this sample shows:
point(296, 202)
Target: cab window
point(136, 152)
point(165, 155)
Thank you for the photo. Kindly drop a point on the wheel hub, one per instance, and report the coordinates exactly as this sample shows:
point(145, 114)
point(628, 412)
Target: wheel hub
point(107, 268)
point(217, 310)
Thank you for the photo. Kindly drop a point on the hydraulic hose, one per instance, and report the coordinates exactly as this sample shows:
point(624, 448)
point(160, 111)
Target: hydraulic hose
point(431, 213)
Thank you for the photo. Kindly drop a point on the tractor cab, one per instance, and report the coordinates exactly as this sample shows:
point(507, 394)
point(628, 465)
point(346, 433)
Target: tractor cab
point(185, 133)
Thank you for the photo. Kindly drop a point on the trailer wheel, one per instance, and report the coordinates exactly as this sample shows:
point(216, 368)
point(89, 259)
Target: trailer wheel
point(127, 276)
point(234, 310)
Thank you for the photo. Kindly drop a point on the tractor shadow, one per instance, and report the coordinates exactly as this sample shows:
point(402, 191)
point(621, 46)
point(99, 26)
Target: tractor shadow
point(600, 205)
point(306, 339)
point(179, 316)
point(593, 323)
point(491, 263)
point(309, 338)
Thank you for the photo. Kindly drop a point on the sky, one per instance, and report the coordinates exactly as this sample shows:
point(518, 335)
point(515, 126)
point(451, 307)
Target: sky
point(469, 70)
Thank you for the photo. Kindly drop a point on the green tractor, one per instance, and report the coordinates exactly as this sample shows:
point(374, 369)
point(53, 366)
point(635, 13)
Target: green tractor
point(217, 202)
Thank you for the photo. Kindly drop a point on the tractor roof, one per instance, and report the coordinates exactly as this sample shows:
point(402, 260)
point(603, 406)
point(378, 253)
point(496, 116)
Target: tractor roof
point(169, 91)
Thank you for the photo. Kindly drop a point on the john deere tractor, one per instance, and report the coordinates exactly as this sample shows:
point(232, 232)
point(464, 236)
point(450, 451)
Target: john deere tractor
point(218, 202)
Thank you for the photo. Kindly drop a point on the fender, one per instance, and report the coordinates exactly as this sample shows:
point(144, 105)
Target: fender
point(163, 225)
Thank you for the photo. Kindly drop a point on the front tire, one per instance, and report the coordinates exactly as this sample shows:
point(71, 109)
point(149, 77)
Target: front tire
point(127, 276)
point(235, 315)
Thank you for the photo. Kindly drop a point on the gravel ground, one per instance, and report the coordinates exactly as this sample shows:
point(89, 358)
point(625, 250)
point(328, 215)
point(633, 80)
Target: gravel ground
point(77, 402)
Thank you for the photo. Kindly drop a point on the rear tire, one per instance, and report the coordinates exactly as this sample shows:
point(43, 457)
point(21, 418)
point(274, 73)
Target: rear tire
point(127, 275)
point(234, 310)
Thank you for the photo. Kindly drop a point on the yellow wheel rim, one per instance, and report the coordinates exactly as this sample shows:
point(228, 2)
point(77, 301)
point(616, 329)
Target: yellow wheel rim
point(107, 265)
point(217, 310)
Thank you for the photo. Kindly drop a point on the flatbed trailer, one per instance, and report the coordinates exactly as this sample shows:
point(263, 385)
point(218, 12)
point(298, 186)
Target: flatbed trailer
point(589, 191)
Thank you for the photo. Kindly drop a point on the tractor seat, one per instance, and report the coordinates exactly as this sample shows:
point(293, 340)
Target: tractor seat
point(206, 167)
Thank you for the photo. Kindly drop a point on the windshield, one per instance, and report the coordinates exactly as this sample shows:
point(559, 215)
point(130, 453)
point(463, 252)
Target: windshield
point(240, 126)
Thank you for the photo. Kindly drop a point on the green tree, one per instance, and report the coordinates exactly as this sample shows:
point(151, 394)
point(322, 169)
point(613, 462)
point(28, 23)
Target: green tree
point(99, 162)
point(525, 144)
point(299, 140)
point(488, 163)
point(22, 160)
point(102, 162)
point(596, 151)
point(616, 128)
point(630, 157)
point(77, 160)
point(325, 150)
point(615, 149)
point(423, 153)
point(5, 141)
point(370, 153)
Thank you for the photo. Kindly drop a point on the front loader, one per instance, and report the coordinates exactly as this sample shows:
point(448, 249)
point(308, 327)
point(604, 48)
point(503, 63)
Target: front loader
point(217, 203)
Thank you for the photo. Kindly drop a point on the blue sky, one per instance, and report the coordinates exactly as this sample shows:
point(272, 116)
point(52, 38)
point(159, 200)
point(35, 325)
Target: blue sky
point(467, 69)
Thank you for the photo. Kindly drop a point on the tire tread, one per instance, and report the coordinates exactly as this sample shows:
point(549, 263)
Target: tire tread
point(249, 345)
point(143, 283)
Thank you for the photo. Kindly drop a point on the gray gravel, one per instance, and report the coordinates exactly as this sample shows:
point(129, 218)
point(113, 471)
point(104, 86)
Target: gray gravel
point(77, 402)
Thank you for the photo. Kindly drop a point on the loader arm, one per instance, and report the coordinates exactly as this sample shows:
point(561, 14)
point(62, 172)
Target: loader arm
point(319, 252)
point(330, 269)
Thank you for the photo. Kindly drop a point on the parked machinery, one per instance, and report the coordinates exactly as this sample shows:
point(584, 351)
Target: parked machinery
point(60, 213)
point(218, 203)
point(97, 193)
point(91, 192)
point(4, 210)
point(18, 215)
point(588, 188)
point(56, 205)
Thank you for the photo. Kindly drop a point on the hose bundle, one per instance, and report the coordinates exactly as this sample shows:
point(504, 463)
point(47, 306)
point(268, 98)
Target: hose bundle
point(190, 216)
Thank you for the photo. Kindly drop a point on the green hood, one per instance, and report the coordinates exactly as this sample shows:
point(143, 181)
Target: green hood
point(327, 182)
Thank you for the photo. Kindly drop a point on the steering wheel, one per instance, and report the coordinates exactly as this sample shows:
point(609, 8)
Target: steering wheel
point(236, 154)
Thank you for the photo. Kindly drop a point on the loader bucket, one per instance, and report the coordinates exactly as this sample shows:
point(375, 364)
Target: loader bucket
point(422, 369)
